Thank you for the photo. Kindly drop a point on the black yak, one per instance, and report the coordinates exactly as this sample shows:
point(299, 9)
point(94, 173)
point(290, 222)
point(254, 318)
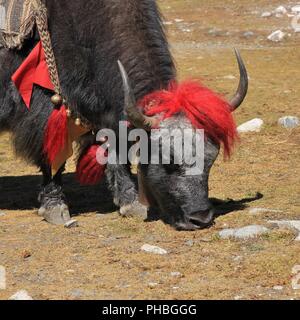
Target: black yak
point(89, 38)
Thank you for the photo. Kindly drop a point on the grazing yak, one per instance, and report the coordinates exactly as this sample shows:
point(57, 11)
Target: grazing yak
point(113, 59)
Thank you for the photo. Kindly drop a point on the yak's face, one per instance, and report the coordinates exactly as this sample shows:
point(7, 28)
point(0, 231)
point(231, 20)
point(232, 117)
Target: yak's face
point(173, 190)
point(178, 193)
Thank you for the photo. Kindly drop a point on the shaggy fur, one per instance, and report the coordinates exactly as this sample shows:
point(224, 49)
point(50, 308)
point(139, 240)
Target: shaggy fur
point(201, 106)
point(88, 38)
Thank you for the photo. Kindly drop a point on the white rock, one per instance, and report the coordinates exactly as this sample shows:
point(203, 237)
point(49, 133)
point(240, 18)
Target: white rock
point(263, 210)
point(152, 285)
point(296, 9)
point(2, 278)
point(281, 10)
point(71, 224)
point(277, 36)
point(178, 20)
point(254, 125)
point(2, 214)
point(21, 295)
point(278, 15)
point(293, 225)
point(153, 249)
point(243, 233)
point(248, 34)
point(266, 14)
point(289, 122)
point(278, 288)
point(176, 274)
point(230, 77)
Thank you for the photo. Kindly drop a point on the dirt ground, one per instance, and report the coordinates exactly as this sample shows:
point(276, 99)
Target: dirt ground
point(101, 259)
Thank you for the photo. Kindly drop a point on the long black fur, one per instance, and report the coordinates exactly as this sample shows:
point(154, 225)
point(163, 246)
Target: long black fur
point(88, 38)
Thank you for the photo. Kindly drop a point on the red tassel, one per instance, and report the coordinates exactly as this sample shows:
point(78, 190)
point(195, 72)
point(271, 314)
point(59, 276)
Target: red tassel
point(56, 133)
point(89, 170)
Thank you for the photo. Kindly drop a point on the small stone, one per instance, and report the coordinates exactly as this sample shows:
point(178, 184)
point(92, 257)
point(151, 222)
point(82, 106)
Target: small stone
point(243, 233)
point(230, 77)
point(237, 258)
point(248, 34)
point(21, 295)
point(263, 210)
point(176, 274)
point(189, 243)
point(296, 9)
point(76, 293)
point(71, 224)
point(278, 15)
point(289, 122)
point(277, 36)
point(153, 249)
point(266, 14)
point(178, 20)
point(293, 225)
point(152, 285)
point(278, 288)
point(281, 10)
point(2, 278)
point(254, 125)
point(2, 214)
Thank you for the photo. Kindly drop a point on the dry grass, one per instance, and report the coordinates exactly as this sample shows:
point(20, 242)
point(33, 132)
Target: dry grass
point(102, 258)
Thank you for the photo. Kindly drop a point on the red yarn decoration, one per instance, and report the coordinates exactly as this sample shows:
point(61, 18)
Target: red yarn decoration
point(205, 109)
point(56, 133)
point(89, 170)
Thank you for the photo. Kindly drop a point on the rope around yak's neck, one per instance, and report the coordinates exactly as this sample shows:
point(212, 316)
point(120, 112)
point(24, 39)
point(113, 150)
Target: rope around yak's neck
point(42, 26)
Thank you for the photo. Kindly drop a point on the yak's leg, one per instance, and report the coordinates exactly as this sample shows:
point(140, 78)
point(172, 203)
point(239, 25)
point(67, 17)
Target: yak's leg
point(52, 199)
point(124, 187)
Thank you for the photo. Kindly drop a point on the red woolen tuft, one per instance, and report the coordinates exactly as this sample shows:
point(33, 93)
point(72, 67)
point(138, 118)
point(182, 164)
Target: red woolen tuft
point(205, 109)
point(89, 171)
point(56, 133)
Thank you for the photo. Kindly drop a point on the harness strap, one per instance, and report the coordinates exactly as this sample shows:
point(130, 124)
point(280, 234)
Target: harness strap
point(42, 26)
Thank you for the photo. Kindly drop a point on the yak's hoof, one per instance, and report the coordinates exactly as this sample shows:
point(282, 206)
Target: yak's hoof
point(135, 209)
point(53, 208)
point(57, 215)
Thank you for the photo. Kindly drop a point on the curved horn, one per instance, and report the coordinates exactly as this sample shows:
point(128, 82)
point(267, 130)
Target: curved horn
point(135, 116)
point(242, 90)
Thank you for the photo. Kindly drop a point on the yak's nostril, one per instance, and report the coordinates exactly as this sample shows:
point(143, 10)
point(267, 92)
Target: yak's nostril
point(196, 221)
point(202, 217)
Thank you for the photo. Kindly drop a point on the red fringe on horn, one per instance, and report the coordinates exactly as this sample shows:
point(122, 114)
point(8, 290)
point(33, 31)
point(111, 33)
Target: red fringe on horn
point(205, 109)
point(56, 133)
point(90, 171)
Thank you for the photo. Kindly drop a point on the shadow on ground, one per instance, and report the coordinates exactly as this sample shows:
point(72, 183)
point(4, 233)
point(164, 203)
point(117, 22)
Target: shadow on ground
point(223, 207)
point(20, 193)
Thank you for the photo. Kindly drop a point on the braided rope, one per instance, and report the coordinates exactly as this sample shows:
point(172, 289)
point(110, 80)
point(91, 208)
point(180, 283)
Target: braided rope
point(42, 25)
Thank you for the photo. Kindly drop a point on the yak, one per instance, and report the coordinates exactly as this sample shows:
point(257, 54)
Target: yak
point(113, 58)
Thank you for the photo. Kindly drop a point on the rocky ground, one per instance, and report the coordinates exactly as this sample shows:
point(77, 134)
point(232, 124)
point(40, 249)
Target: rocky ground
point(249, 253)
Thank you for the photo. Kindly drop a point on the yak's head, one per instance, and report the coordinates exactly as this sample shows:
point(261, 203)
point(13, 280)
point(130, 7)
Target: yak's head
point(176, 190)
